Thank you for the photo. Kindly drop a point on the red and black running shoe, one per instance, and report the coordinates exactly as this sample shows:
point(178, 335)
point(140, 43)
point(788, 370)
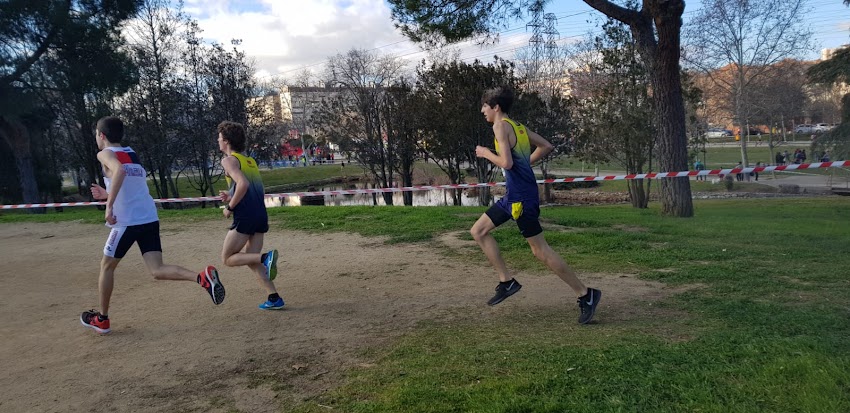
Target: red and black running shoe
point(209, 280)
point(93, 319)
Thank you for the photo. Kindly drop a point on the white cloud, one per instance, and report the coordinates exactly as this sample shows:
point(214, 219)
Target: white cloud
point(286, 35)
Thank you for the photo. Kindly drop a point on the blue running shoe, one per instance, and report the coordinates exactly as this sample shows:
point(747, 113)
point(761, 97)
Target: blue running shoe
point(272, 305)
point(271, 264)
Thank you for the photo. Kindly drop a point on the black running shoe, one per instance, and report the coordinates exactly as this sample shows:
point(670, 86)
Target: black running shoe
point(587, 304)
point(504, 290)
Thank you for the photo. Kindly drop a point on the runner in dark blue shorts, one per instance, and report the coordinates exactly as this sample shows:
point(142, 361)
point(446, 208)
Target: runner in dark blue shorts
point(245, 201)
point(514, 155)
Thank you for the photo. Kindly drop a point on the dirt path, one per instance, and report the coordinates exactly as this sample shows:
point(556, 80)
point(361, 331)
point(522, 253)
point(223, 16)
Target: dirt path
point(172, 350)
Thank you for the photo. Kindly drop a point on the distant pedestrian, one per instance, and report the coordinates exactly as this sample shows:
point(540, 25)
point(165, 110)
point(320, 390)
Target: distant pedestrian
point(699, 166)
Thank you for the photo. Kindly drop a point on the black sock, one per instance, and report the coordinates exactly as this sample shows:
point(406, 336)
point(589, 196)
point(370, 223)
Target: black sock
point(102, 317)
point(274, 297)
point(506, 282)
point(263, 257)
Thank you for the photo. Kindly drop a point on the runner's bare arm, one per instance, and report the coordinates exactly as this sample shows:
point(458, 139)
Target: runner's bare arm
point(543, 147)
point(231, 168)
point(503, 158)
point(116, 174)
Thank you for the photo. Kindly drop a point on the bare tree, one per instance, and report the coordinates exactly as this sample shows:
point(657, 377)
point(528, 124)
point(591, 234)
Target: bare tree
point(152, 107)
point(615, 122)
point(363, 77)
point(779, 99)
point(400, 115)
point(749, 37)
point(199, 154)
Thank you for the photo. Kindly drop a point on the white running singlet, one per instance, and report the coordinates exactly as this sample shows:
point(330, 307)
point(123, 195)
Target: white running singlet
point(134, 204)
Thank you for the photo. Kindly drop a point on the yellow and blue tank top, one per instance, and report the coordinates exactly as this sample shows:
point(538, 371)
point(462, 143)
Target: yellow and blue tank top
point(521, 182)
point(252, 204)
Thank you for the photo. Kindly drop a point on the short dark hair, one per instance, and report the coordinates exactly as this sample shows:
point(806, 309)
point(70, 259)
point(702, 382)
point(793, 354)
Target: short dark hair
point(502, 96)
point(112, 127)
point(234, 133)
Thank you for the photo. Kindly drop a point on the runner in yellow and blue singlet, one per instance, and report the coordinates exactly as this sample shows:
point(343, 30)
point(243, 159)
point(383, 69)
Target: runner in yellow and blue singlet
point(249, 216)
point(244, 201)
point(521, 201)
point(514, 155)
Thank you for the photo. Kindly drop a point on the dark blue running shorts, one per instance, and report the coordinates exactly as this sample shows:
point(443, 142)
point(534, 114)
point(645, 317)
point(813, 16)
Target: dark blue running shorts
point(249, 226)
point(527, 215)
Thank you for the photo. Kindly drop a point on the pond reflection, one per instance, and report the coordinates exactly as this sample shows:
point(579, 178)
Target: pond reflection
point(433, 197)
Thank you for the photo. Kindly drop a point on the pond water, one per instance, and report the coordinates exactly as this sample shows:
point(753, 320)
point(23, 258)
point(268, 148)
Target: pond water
point(434, 197)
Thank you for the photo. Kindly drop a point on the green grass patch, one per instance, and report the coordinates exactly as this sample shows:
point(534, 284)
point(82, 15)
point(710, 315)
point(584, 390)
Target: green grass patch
point(696, 186)
point(767, 332)
point(535, 363)
point(715, 158)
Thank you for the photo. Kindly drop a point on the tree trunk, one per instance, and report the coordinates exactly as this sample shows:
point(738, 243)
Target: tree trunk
point(484, 194)
point(407, 180)
point(637, 193)
point(744, 134)
point(388, 198)
point(163, 185)
point(457, 193)
point(17, 137)
point(173, 186)
point(676, 199)
point(29, 185)
point(547, 189)
point(661, 56)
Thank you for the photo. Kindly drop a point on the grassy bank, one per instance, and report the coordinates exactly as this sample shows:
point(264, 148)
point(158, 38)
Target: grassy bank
point(715, 157)
point(765, 330)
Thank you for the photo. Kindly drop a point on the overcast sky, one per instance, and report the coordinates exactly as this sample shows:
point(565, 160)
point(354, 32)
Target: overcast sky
point(286, 36)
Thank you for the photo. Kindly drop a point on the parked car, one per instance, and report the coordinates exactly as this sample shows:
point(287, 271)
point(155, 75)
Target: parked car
point(804, 128)
point(822, 127)
point(718, 133)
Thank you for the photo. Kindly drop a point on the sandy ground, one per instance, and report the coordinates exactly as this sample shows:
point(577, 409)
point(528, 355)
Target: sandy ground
point(171, 349)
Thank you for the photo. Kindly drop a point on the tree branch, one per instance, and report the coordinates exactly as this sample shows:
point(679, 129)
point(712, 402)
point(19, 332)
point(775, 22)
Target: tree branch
point(27, 64)
point(614, 11)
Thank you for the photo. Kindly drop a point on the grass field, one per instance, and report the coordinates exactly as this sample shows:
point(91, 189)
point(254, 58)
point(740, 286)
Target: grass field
point(762, 324)
point(715, 157)
point(696, 186)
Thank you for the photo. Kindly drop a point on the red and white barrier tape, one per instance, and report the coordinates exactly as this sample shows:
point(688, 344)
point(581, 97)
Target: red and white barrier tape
point(659, 175)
